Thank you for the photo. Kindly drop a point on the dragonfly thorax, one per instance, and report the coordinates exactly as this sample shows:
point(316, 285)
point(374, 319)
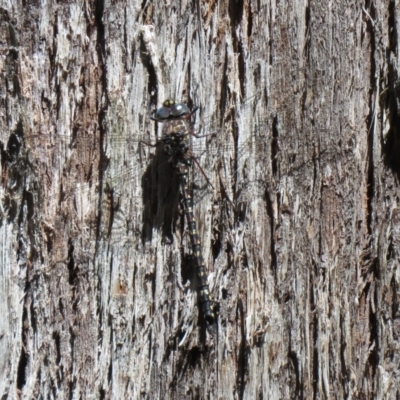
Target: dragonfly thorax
point(175, 137)
point(176, 144)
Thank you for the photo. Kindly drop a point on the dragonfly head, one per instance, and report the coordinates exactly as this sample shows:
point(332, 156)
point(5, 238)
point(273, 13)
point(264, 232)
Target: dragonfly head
point(171, 109)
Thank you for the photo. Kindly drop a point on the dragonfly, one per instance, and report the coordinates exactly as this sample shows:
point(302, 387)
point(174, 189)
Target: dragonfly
point(176, 131)
point(247, 149)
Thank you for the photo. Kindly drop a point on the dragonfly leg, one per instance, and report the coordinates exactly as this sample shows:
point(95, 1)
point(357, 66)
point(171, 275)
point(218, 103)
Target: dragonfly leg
point(201, 169)
point(187, 116)
point(191, 133)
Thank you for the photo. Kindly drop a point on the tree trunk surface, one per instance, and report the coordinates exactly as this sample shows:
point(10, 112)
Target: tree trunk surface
point(300, 225)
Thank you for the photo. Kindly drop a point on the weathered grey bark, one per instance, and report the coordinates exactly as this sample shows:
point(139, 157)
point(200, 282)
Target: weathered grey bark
point(97, 297)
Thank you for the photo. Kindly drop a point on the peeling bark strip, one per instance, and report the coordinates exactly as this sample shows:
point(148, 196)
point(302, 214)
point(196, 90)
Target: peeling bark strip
point(300, 237)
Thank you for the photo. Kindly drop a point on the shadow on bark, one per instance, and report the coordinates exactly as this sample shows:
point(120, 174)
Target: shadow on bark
point(160, 197)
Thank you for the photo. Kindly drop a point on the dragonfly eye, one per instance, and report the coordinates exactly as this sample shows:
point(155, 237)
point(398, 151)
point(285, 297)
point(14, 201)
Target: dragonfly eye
point(163, 113)
point(179, 109)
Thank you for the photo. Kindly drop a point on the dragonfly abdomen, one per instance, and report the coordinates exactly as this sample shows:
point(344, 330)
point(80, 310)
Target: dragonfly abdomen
point(204, 290)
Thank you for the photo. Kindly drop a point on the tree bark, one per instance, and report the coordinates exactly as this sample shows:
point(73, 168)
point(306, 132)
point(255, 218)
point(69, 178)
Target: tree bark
point(300, 229)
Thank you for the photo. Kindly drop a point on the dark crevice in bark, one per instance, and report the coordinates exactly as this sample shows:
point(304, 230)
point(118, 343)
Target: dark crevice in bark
point(23, 358)
point(391, 142)
point(12, 210)
point(314, 330)
point(244, 259)
point(56, 337)
point(249, 21)
point(4, 162)
point(275, 166)
point(110, 279)
point(52, 51)
point(242, 71)
point(26, 215)
point(298, 389)
point(370, 119)
point(395, 299)
point(72, 381)
point(103, 106)
point(392, 27)
point(11, 57)
point(110, 370)
point(241, 355)
point(61, 307)
point(152, 83)
point(72, 386)
point(15, 167)
point(57, 90)
point(235, 13)
point(14, 143)
point(32, 313)
point(307, 43)
point(229, 254)
point(193, 357)
point(29, 201)
point(235, 137)
point(391, 251)
point(270, 213)
point(49, 233)
point(109, 193)
point(72, 268)
point(186, 92)
point(99, 313)
point(224, 89)
point(275, 145)
point(216, 245)
point(391, 104)
point(345, 378)
point(12, 171)
point(11, 67)
point(374, 339)
point(375, 269)
point(271, 28)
